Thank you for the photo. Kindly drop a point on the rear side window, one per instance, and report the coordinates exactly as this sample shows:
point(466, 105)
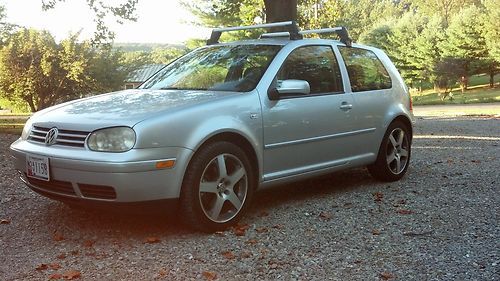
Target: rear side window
point(366, 71)
point(315, 64)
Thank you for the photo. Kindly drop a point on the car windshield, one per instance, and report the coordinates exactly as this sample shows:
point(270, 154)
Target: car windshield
point(216, 68)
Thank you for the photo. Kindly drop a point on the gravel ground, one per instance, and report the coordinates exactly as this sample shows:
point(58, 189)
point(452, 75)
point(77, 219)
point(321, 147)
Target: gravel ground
point(441, 222)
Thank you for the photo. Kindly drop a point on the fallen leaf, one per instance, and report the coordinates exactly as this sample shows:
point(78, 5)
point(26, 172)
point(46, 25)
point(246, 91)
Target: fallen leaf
point(252, 242)
point(405, 212)
point(245, 255)
point(261, 229)
point(376, 232)
point(57, 236)
point(386, 275)
point(240, 230)
point(4, 221)
point(72, 275)
point(378, 196)
point(209, 275)
point(88, 243)
point(61, 256)
point(42, 267)
point(54, 266)
point(152, 240)
point(325, 215)
point(55, 276)
point(228, 255)
point(162, 273)
point(475, 161)
point(279, 226)
point(75, 252)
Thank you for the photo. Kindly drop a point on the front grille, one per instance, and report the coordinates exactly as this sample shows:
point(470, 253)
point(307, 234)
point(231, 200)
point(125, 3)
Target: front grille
point(63, 187)
point(64, 137)
point(97, 191)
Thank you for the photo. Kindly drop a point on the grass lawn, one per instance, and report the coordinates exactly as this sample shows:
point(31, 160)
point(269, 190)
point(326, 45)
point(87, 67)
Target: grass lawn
point(476, 94)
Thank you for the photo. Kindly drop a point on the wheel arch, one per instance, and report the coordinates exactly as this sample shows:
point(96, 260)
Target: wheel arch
point(237, 139)
point(401, 118)
point(406, 121)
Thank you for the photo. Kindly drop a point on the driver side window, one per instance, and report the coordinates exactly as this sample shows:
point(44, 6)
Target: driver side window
point(315, 64)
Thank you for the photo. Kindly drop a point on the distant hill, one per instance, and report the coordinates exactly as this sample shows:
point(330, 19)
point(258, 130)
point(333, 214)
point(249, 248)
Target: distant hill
point(146, 47)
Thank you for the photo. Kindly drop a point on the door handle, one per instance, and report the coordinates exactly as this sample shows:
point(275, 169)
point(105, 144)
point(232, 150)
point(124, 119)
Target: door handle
point(346, 106)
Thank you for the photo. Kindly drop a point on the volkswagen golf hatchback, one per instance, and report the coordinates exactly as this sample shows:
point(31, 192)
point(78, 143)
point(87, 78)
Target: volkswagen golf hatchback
point(211, 128)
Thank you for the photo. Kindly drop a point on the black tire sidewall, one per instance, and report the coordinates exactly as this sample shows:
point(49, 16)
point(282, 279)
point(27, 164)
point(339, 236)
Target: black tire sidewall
point(380, 169)
point(191, 208)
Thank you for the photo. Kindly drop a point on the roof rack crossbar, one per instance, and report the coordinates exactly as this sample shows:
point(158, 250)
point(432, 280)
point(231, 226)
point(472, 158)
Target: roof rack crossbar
point(275, 34)
point(340, 31)
point(290, 25)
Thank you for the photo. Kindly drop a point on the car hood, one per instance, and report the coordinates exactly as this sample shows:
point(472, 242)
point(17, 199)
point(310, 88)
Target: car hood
point(124, 108)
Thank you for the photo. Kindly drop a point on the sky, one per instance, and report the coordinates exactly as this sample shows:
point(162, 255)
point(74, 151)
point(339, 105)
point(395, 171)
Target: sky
point(159, 21)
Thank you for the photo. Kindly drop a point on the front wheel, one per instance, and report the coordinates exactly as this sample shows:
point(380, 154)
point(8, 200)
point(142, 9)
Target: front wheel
point(217, 187)
point(394, 154)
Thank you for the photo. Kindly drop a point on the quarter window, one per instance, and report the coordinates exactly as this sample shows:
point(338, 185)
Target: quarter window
point(315, 64)
point(366, 72)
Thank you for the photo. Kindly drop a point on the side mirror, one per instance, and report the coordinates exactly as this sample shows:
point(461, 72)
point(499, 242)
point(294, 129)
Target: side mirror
point(289, 87)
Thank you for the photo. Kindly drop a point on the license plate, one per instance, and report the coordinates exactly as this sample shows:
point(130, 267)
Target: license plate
point(38, 167)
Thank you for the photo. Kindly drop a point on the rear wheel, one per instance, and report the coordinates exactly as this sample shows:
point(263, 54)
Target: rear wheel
point(394, 154)
point(217, 188)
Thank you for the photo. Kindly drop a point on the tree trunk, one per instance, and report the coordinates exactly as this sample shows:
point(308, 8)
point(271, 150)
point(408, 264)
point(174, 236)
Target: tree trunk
point(30, 102)
point(492, 75)
point(280, 10)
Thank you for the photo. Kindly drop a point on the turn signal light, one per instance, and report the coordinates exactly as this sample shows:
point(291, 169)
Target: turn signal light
point(165, 164)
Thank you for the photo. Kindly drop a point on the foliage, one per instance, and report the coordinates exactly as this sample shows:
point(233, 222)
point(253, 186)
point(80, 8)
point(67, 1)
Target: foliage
point(492, 28)
point(36, 70)
point(356, 15)
point(465, 42)
point(444, 8)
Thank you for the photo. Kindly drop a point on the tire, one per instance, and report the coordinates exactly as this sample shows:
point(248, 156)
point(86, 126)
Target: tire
point(218, 187)
point(394, 154)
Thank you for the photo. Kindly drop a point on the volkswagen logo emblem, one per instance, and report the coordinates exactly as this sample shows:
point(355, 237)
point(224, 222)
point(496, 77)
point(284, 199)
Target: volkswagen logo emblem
point(51, 136)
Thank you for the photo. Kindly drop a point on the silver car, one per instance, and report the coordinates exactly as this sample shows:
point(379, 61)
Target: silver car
point(211, 128)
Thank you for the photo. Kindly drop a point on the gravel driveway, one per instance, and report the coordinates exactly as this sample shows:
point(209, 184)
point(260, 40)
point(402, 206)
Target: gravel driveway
point(441, 222)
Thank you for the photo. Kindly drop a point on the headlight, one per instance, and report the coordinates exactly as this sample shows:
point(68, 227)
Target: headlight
point(26, 129)
point(117, 139)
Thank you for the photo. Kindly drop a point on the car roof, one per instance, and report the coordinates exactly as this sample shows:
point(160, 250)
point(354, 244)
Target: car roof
point(282, 41)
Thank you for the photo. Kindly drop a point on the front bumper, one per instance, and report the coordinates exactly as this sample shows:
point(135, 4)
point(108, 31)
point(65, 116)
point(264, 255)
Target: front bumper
point(79, 174)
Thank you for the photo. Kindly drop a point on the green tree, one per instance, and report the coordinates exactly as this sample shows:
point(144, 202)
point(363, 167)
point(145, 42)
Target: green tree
point(39, 72)
point(465, 41)
point(492, 28)
point(359, 15)
point(443, 8)
point(401, 46)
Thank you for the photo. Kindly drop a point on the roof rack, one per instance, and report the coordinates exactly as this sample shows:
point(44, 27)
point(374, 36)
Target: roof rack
point(293, 32)
point(291, 26)
point(340, 31)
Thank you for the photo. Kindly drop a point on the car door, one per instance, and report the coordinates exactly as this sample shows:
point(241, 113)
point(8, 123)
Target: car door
point(371, 88)
point(305, 133)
